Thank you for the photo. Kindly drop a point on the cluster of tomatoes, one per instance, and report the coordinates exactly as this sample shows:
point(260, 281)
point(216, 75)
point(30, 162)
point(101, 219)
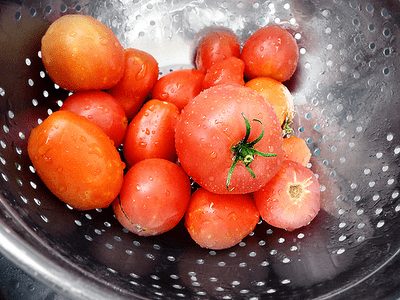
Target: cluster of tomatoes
point(221, 125)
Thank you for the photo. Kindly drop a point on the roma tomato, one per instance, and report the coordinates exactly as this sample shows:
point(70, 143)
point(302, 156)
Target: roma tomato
point(216, 221)
point(151, 133)
point(178, 87)
point(291, 199)
point(270, 52)
point(227, 71)
point(224, 137)
point(296, 149)
point(102, 109)
point(140, 76)
point(154, 197)
point(76, 160)
point(80, 53)
point(214, 47)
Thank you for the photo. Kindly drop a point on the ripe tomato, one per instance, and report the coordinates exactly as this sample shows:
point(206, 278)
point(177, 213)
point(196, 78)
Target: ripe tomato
point(151, 132)
point(227, 71)
point(296, 149)
point(80, 53)
point(277, 94)
point(154, 197)
point(178, 87)
point(76, 160)
point(140, 76)
point(102, 109)
point(291, 199)
point(216, 221)
point(270, 52)
point(214, 47)
point(215, 147)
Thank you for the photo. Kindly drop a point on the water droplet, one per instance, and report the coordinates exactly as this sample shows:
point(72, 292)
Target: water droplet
point(213, 154)
point(211, 178)
point(164, 96)
point(96, 150)
point(142, 72)
point(147, 131)
point(167, 193)
point(143, 144)
point(232, 216)
point(103, 41)
point(82, 138)
point(72, 34)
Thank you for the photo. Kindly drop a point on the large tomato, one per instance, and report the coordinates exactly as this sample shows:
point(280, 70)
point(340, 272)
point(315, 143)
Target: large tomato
point(218, 134)
point(80, 53)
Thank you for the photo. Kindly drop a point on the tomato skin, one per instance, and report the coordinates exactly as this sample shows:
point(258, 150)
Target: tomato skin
point(227, 71)
point(270, 52)
point(80, 53)
point(212, 123)
point(216, 221)
point(140, 76)
point(178, 87)
point(278, 203)
point(296, 149)
point(214, 47)
point(151, 133)
point(102, 109)
point(154, 197)
point(76, 160)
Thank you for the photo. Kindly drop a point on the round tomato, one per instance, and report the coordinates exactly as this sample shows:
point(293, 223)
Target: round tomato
point(227, 71)
point(296, 149)
point(216, 221)
point(154, 197)
point(151, 133)
point(229, 140)
point(270, 52)
point(178, 87)
point(102, 109)
point(80, 53)
point(214, 47)
point(76, 160)
point(141, 74)
point(291, 199)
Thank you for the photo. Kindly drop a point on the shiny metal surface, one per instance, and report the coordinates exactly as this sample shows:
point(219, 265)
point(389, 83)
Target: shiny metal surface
point(346, 92)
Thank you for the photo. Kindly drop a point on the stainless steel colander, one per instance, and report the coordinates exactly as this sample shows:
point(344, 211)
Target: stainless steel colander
point(347, 96)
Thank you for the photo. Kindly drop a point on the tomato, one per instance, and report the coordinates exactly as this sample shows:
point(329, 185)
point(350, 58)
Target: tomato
point(140, 76)
point(151, 133)
point(291, 199)
point(217, 221)
point(218, 133)
point(227, 71)
point(270, 52)
point(178, 87)
point(154, 197)
point(214, 47)
point(80, 53)
point(102, 109)
point(76, 160)
point(296, 149)
point(277, 94)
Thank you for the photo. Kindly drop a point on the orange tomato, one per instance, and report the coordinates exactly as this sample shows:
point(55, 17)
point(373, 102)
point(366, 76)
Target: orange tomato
point(296, 149)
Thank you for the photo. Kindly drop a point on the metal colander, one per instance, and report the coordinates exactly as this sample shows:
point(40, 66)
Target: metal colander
point(346, 94)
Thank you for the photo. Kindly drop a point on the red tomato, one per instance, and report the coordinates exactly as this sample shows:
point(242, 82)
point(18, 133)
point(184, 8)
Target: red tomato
point(102, 109)
point(154, 197)
point(214, 47)
point(296, 149)
point(178, 87)
point(151, 132)
point(216, 221)
point(211, 137)
point(291, 199)
point(140, 76)
point(270, 52)
point(76, 160)
point(80, 53)
point(227, 71)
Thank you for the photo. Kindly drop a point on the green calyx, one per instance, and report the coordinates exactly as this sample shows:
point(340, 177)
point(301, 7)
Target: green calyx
point(244, 151)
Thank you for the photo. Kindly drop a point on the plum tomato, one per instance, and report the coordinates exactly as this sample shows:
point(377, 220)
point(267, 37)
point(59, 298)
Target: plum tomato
point(217, 221)
point(270, 52)
point(291, 199)
point(76, 160)
point(216, 46)
point(153, 198)
point(178, 87)
point(229, 140)
point(151, 133)
point(277, 94)
point(140, 76)
point(80, 53)
point(102, 109)
point(296, 149)
point(227, 71)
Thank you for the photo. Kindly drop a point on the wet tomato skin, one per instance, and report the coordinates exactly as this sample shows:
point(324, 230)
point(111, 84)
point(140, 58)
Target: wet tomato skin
point(227, 71)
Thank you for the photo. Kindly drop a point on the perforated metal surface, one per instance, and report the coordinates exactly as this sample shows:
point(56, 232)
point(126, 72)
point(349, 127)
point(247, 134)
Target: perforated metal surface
point(346, 94)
